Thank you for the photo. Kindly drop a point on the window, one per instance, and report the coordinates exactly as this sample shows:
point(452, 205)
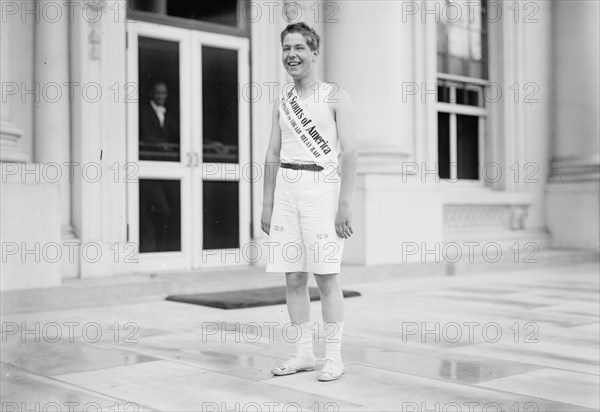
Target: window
point(462, 67)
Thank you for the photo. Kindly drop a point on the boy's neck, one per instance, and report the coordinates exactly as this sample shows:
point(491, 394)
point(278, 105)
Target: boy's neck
point(305, 84)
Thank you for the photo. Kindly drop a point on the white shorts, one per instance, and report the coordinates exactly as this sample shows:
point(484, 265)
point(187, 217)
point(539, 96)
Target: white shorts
point(302, 236)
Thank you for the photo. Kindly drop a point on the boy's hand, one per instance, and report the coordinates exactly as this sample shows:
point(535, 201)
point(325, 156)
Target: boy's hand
point(343, 226)
point(265, 219)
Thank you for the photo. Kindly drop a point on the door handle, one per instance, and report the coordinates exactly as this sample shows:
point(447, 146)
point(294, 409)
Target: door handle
point(197, 159)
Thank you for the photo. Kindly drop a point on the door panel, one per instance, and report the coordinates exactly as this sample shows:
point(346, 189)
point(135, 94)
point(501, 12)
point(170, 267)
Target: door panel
point(159, 203)
point(224, 130)
point(159, 215)
point(221, 215)
point(158, 75)
point(220, 112)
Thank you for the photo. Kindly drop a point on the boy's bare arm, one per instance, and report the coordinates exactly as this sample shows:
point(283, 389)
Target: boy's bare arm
point(271, 169)
point(344, 113)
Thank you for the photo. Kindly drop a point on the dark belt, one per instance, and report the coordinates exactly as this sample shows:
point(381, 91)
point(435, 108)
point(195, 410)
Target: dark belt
point(298, 166)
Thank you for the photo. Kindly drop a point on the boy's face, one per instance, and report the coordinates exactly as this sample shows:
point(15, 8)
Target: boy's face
point(298, 59)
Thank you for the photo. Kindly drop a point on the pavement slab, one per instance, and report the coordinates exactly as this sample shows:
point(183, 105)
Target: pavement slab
point(520, 340)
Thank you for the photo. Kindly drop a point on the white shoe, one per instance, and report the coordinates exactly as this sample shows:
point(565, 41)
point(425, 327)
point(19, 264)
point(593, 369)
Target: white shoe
point(332, 370)
point(294, 365)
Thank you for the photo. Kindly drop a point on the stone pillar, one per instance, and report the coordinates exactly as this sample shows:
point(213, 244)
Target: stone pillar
point(573, 188)
point(378, 53)
point(99, 130)
point(267, 76)
point(52, 131)
point(51, 116)
point(10, 150)
point(375, 78)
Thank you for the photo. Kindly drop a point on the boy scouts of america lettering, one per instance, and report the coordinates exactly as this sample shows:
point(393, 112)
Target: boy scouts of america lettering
point(306, 130)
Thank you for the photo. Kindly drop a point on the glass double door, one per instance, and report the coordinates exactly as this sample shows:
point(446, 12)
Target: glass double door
point(188, 141)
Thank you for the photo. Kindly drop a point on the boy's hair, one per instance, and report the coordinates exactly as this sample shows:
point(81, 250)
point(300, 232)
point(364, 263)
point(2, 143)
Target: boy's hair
point(310, 35)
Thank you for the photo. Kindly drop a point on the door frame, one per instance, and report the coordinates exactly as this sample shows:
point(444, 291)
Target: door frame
point(190, 170)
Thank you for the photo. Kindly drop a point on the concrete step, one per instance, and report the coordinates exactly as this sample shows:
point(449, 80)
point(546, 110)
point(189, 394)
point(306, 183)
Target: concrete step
point(74, 293)
point(521, 259)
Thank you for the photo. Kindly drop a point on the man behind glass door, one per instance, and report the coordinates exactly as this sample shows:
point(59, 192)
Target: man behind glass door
point(159, 129)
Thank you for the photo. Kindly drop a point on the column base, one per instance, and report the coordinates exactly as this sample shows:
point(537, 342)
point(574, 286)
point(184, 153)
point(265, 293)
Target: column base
point(573, 214)
point(393, 216)
point(31, 238)
point(10, 151)
point(390, 161)
point(71, 252)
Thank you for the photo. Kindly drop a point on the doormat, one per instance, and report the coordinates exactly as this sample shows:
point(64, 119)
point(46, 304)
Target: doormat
point(246, 298)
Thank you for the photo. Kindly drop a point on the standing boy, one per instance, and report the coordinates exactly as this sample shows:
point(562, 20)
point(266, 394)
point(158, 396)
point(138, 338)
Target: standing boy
point(310, 173)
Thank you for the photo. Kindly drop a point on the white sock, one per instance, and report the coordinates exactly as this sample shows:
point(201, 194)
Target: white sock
point(333, 340)
point(304, 346)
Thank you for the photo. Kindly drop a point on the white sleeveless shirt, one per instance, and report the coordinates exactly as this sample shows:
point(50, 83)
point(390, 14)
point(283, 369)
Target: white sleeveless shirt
point(316, 104)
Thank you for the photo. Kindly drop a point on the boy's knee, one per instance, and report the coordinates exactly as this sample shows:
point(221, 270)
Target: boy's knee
point(296, 281)
point(328, 284)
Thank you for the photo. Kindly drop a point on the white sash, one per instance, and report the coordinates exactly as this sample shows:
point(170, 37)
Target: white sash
point(308, 135)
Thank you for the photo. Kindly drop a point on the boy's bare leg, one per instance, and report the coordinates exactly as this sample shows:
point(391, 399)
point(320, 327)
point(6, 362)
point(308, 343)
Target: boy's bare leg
point(332, 299)
point(298, 305)
point(296, 296)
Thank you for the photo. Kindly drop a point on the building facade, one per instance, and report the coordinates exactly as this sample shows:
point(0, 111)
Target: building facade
point(477, 125)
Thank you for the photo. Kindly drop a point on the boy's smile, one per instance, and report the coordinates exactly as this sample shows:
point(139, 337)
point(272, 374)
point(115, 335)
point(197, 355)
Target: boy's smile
point(297, 57)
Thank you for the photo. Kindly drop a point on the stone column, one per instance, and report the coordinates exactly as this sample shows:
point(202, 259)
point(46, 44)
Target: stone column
point(52, 135)
point(383, 55)
point(99, 136)
point(9, 132)
point(374, 68)
point(52, 115)
point(573, 188)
